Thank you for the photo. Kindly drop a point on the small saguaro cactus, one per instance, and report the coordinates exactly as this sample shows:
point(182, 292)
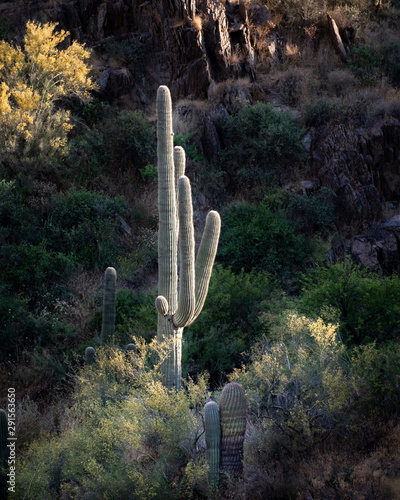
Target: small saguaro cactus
point(90, 355)
point(131, 347)
point(109, 301)
point(176, 216)
point(233, 415)
point(213, 441)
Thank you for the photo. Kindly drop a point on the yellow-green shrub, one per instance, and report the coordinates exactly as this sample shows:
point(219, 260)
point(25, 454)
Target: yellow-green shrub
point(33, 82)
point(298, 382)
point(125, 435)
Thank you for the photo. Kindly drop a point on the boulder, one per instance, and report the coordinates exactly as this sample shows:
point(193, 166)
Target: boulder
point(365, 252)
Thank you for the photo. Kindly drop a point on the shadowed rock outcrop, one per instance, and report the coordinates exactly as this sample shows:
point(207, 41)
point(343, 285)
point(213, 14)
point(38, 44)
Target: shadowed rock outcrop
point(179, 44)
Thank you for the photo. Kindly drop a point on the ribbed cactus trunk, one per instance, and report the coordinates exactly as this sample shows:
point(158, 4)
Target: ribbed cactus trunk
point(177, 310)
point(233, 415)
point(213, 441)
point(109, 301)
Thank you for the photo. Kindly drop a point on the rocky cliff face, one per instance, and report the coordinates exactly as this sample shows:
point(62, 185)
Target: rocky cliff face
point(185, 44)
point(362, 167)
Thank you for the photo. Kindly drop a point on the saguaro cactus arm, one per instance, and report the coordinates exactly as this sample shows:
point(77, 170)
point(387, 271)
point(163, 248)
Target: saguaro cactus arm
point(205, 259)
point(186, 301)
point(90, 355)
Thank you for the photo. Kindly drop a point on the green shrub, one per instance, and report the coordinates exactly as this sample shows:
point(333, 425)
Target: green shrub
point(136, 315)
point(130, 139)
point(14, 322)
point(122, 141)
point(375, 371)
point(22, 328)
point(304, 389)
point(190, 147)
point(259, 141)
point(365, 304)
point(318, 112)
point(18, 222)
point(254, 237)
point(33, 269)
point(313, 214)
point(85, 224)
point(87, 157)
point(228, 324)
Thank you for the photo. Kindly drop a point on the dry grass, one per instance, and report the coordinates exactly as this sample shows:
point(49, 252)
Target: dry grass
point(178, 23)
point(87, 292)
point(197, 23)
point(368, 476)
point(32, 422)
point(292, 50)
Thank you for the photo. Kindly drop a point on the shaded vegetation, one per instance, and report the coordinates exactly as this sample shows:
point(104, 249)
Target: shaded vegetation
point(315, 344)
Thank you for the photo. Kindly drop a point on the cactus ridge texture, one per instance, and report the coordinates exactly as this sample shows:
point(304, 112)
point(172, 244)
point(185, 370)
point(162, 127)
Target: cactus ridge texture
point(213, 441)
point(90, 355)
point(109, 304)
point(233, 414)
point(176, 225)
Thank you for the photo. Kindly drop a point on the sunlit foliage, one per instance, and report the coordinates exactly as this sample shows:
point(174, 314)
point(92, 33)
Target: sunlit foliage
point(125, 436)
point(299, 381)
point(34, 81)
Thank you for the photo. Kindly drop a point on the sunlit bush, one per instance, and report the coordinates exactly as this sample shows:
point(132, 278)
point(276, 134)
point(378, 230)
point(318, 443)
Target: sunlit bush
point(298, 384)
point(125, 435)
point(34, 81)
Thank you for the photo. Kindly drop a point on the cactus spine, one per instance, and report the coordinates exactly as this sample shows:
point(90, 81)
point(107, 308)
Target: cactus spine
point(233, 414)
point(213, 441)
point(109, 300)
point(176, 215)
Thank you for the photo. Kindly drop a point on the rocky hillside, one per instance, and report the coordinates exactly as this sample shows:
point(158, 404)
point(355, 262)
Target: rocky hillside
point(332, 68)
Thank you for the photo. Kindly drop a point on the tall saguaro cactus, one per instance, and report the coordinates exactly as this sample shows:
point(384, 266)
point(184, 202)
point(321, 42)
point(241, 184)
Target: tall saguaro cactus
point(109, 301)
point(177, 310)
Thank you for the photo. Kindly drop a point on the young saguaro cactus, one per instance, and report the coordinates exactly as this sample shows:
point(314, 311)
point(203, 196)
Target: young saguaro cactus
point(90, 355)
point(213, 441)
point(109, 301)
point(233, 415)
point(176, 216)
